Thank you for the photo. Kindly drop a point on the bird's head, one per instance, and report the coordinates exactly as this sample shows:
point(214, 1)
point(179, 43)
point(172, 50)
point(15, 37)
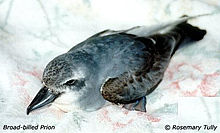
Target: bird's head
point(70, 75)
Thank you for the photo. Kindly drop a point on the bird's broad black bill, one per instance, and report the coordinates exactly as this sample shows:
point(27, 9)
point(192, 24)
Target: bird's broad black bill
point(44, 97)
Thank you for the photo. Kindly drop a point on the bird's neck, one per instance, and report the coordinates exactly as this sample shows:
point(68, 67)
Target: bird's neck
point(92, 99)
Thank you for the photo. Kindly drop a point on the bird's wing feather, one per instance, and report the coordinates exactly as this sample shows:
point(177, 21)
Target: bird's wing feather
point(110, 32)
point(142, 31)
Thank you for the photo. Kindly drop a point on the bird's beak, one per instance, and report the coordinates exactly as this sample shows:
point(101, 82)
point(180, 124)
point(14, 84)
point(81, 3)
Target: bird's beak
point(43, 97)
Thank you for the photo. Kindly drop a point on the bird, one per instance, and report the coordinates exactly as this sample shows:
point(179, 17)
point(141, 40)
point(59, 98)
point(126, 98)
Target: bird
point(121, 67)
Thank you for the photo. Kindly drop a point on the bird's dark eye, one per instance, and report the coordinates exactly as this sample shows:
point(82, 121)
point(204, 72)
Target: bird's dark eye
point(70, 82)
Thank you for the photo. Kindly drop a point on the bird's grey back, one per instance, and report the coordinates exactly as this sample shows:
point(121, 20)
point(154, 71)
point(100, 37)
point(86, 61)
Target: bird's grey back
point(120, 54)
point(117, 53)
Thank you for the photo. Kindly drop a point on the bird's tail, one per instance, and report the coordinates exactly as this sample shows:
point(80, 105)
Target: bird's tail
point(189, 31)
point(185, 32)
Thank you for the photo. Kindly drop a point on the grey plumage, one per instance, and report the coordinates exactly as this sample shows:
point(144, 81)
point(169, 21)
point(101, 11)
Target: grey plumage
point(125, 65)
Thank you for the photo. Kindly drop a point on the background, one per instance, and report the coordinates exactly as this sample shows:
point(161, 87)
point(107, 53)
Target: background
point(33, 32)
